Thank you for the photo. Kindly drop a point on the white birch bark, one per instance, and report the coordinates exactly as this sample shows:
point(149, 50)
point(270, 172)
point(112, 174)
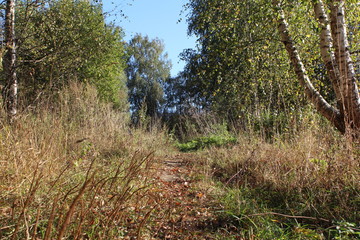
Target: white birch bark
point(326, 50)
point(348, 82)
point(11, 88)
point(322, 106)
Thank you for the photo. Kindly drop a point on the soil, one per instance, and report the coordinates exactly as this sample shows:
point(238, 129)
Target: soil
point(192, 210)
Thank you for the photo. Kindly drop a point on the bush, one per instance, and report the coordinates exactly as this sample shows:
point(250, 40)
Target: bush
point(66, 40)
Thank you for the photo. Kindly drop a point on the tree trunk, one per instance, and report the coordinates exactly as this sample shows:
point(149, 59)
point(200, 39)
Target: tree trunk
point(340, 69)
point(11, 86)
point(328, 111)
point(327, 54)
point(348, 82)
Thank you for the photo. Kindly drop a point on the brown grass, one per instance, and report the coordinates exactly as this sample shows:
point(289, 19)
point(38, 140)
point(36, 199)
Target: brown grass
point(314, 173)
point(74, 169)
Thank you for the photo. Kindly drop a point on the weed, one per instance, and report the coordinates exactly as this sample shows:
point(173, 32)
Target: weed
point(74, 169)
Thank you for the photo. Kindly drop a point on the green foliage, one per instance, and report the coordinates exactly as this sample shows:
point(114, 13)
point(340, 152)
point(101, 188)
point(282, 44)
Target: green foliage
point(64, 40)
point(217, 135)
point(235, 71)
point(147, 70)
point(345, 230)
point(247, 210)
point(178, 99)
point(240, 69)
point(204, 142)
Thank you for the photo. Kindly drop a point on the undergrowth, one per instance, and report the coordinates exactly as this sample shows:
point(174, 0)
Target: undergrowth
point(304, 187)
point(202, 134)
point(73, 169)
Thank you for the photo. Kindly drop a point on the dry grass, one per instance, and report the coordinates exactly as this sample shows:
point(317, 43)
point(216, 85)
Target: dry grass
point(314, 174)
point(74, 169)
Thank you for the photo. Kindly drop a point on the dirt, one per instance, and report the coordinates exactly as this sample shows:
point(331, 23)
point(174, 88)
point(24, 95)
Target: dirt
point(191, 210)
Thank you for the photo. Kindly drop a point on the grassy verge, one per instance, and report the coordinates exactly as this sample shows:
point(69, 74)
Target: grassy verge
point(201, 143)
point(303, 188)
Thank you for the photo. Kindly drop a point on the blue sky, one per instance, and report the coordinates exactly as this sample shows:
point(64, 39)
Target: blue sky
point(155, 18)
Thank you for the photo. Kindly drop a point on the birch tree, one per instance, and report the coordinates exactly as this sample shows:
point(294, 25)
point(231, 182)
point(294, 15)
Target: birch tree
point(336, 56)
point(11, 85)
point(147, 70)
point(59, 41)
point(237, 70)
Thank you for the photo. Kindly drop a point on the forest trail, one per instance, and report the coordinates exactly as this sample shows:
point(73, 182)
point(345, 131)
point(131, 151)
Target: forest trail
point(191, 211)
point(173, 170)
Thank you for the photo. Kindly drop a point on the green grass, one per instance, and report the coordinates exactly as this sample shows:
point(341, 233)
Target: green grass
point(206, 142)
point(249, 211)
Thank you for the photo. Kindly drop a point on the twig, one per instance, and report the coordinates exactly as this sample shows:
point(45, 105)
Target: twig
point(32, 190)
point(241, 170)
point(72, 208)
point(36, 224)
point(51, 219)
point(289, 216)
point(7, 227)
point(26, 227)
point(146, 217)
point(351, 228)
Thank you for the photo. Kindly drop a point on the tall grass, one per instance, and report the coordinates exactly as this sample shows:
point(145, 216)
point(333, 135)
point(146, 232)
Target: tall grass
point(289, 186)
point(72, 168)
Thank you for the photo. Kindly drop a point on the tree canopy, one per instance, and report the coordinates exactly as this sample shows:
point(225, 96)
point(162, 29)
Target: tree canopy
point(147, 71)
point(65, 40)
point(241, 69)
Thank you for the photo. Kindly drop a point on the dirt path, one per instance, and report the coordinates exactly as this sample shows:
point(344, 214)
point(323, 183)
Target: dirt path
point(191, 210)
point(174, 169)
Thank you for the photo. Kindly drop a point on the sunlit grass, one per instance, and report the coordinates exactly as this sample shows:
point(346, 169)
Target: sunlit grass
point(74, 169)
point(305, 187)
